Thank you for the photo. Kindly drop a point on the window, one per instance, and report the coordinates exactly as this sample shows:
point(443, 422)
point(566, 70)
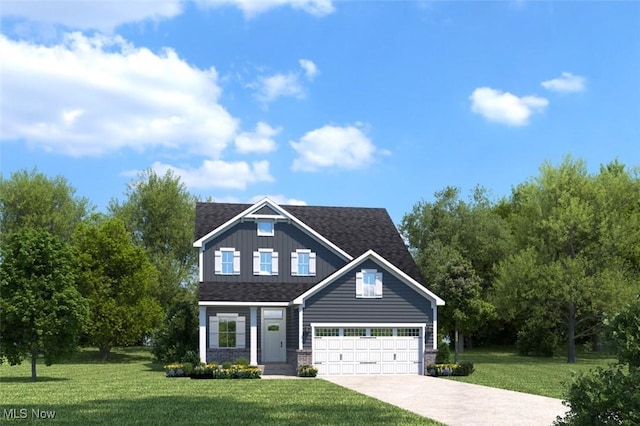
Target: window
point(409, 332)
point(303, 263)
point(355, 332)
point(227, 262)
point(327, 332)
point(227, 331)
point(265, 228)
point(265, 262)
point(382, 332)
point(369, 284)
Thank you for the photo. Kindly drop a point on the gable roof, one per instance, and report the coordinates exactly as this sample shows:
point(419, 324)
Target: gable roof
point(354, 230)
point(370, 254)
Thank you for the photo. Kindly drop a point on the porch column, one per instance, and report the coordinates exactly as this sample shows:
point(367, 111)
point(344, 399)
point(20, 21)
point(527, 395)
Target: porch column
point(254, 334)
point(203, 333)
point(435, 326)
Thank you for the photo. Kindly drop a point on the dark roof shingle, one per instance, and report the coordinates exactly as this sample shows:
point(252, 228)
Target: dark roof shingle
point(354, 229)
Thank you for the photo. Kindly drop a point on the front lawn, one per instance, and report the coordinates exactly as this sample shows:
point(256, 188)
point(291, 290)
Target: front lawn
point(131, 390)
point(503, 368)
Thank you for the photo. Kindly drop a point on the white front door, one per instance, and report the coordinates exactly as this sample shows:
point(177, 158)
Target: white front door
point(274, 335)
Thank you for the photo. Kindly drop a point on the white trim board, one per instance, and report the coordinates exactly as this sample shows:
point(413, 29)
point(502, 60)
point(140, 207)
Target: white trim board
point(227, 303)
point(428, 294)
point(248, 213)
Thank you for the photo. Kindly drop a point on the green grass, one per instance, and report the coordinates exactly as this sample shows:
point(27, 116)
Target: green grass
point(131, 390)
point(503, 368)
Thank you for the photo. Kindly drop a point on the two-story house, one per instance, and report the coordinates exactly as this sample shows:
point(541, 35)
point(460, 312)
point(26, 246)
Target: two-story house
point(334, 287)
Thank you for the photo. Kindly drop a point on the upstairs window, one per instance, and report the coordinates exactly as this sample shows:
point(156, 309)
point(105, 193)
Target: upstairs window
point(369, 284)
point(265, 228)
point(303, 263)
point(265, 262)
point(227, 261)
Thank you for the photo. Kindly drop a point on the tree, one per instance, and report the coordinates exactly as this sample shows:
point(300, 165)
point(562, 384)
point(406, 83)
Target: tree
point(178, 333)
point(465, 310)
point(456, 242)
point(575, 260)
point(41, 311)
point(610, 396)
point(117, 278)
point(33, 201)
point(160, 214)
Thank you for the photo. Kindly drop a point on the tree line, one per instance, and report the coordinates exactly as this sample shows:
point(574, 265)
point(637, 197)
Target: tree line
point(547, 264)
point(70, 275)
point(542, 267)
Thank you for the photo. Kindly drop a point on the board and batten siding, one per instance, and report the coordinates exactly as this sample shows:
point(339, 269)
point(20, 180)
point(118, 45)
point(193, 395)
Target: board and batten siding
point(337, 303)
point(287, 238)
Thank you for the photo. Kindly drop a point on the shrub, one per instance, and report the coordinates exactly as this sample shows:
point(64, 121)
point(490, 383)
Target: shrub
point(178, 332)
point(191, 357)
point(226, 365)
point(188, 368)
point(174, 370)
point(307, 371)
point(444, 353)
point(241, 361)
point(536, 338)
point(464, 368)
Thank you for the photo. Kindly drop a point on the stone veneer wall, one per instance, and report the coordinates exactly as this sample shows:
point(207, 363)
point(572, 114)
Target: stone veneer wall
point(223, 355)
point(429, 358)
point(297, 357)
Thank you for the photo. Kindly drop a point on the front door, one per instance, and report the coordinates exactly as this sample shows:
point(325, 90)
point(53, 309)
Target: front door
point(274, 336)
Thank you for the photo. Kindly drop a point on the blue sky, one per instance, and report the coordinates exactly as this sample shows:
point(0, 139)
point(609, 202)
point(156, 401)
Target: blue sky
point(363, 103)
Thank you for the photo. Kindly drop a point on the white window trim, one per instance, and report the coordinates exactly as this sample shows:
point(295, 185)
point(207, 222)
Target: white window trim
point(214, 334)
point(360, 284)
point(218, 261)
point(256, 262)
point(312, 263)
point(266, 234)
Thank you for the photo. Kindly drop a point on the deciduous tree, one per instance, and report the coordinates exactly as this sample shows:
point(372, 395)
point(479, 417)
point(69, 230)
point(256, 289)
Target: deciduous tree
point(117, 279)
point(41, 311)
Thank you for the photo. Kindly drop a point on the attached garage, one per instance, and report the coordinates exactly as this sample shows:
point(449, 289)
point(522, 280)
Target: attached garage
point(346, 349)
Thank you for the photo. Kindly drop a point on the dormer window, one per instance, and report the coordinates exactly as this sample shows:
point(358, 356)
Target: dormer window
point(265, 228)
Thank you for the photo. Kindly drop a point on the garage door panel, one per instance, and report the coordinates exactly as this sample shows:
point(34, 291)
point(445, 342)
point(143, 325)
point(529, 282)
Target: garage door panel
point(361, 352)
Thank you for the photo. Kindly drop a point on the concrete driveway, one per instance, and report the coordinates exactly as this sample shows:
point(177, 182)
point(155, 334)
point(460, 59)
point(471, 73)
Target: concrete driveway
point(456, 403)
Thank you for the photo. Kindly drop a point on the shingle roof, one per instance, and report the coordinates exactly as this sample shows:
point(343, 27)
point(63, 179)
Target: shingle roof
point(353, 229)
point(251, 292)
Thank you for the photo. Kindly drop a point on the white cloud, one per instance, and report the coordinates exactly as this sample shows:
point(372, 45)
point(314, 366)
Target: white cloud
point(504, 107)
point(252, 8)
point(332, 146)
point(218, 174)
point(566, 83)
point(279, 199)
point(260, 140)
point(279, 85)
point(103, 15)
point(87, 96)
point(310, 69)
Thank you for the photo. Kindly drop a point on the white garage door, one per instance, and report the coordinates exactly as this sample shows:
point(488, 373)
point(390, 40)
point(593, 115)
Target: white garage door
point(367, 350)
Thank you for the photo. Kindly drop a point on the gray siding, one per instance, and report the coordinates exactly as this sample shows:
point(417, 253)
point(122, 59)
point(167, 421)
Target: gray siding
point(292, 328)
point(266, 210)
point(338, 303)
point(287, 239)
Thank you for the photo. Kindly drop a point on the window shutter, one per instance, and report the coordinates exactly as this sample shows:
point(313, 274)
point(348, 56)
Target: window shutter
point(294, 263)
point(213, 332)
point(312, 264)
point(274, 263)
point(240, 333)
point(378, 286)
point(217, 264)
point(236, 263)
point(256, 263)
point(359, 280)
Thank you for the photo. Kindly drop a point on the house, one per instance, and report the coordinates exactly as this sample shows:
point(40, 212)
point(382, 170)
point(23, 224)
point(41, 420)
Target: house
point(334, 287)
